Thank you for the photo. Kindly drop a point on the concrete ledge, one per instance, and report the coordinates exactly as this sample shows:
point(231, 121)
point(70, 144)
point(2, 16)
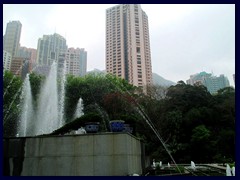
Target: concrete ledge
point(103, 154)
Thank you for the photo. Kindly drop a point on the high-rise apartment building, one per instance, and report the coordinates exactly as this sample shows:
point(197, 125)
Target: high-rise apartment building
point(127, 44)
point(7, 59)
point(76, 61)
point(213, 83)
point(11, 37)
point(42, 70)
point(20, 66)
point(29, 53)
point(49, 47)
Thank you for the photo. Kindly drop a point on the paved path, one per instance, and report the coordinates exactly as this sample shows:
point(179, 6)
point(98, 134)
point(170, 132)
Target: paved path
point(216, 166)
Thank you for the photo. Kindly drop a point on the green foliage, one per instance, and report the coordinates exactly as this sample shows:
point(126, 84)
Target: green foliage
point(93, 89)
point(200, 134)
point(193, 124)
point(117, 104)
point(185, 97)
point(232, 164)
point(11, 98)
point(156, 92)
point(226, 91)
point(129, 118)
point(36, 81)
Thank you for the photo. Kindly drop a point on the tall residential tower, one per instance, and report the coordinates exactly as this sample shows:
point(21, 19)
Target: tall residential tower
point(127, 44)
point(11, 39)
point(49, 48)
point(76, 61)
point(7, 59)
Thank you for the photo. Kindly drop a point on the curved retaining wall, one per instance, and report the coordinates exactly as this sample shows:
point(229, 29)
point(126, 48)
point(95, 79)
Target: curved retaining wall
point(107, 154)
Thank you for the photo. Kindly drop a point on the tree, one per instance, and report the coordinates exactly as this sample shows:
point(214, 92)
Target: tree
point(156, 92)
point(185, 97)
point(36, 83)
point(93, 89)
point(11, 98)
point(200, 144)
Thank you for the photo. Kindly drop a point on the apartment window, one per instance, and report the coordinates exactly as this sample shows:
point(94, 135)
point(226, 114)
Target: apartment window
point(138, 49)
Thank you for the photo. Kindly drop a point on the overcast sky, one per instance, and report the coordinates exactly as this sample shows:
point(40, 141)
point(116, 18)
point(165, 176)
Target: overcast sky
point(184, 39)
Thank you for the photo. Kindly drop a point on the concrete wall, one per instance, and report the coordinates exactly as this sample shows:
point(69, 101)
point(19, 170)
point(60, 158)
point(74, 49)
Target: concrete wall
point(108, 154)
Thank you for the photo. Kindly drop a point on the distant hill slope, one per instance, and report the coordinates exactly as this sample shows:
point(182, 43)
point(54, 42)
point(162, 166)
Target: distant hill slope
point(157, 79)
point(96, 71)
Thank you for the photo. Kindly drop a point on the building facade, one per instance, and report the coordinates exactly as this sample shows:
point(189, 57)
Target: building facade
point(49, 47)
point(212, 83)
point(7, 59)
point(11, 39)
point(76, 61)
point(127, 44)
point(29, 53)
point(42, 70)
point(20, 66)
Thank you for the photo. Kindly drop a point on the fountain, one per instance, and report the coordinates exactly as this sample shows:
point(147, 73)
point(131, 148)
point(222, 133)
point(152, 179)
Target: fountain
point(135, 174)
point(27, 109)
point(154, 164)
point(233, 171)
point(79, 109)
point(193, 165)
point(160, 163)
point(62, 96)
point(49, 114)
point(228, 171)
point(169, 165)
point(81, 131)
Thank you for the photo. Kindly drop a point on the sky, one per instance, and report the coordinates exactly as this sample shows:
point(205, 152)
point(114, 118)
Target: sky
point(185, 39)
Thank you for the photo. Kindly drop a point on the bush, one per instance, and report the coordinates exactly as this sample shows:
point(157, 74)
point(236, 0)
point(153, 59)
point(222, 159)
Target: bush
point(232, 164)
